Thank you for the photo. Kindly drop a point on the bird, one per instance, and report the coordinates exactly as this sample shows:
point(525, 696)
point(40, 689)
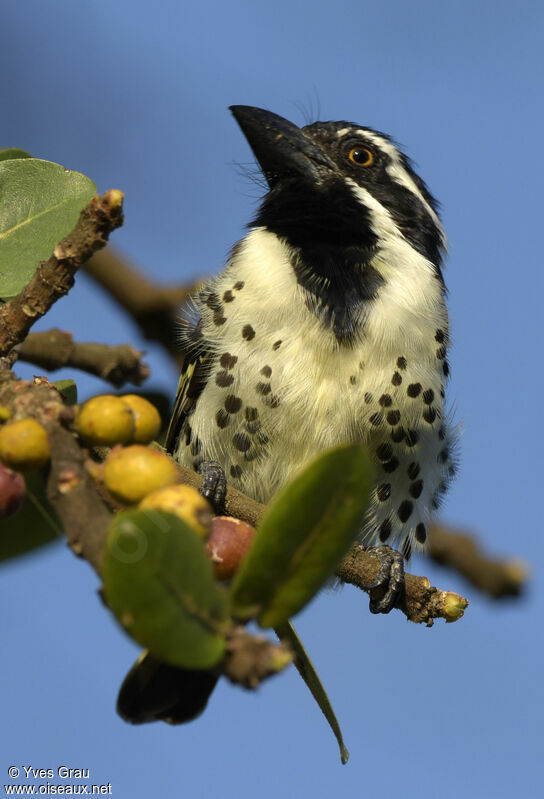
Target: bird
point(328, 325)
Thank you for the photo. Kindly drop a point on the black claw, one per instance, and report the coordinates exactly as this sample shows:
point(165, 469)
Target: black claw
point(390, 578)
point(214, 485)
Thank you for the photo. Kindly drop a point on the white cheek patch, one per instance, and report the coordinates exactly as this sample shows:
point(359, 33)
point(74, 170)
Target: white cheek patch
point(382, 223)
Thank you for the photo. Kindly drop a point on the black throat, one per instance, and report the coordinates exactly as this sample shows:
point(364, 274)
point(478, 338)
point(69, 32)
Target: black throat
point(332, 245)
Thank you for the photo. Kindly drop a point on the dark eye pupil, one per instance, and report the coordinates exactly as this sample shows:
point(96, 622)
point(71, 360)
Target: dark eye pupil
point(360, 156)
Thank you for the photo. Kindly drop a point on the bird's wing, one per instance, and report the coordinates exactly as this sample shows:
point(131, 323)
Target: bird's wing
point(192, 380)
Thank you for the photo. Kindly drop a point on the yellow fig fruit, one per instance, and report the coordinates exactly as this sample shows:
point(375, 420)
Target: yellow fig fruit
point(184, 501)
point(104, 421)
point(131, 473)
point(147, 421)
point(24, 444)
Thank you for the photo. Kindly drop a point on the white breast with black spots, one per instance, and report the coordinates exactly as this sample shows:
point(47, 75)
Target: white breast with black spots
point(281, 389)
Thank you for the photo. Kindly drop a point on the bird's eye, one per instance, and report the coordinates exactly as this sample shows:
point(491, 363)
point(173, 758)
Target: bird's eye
point(360, 156)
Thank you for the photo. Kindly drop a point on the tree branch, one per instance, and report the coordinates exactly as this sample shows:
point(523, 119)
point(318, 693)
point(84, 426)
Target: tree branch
point(85, 516)
point(154, 308)
point(53, 349)
point(460, 551)
point(55, 277)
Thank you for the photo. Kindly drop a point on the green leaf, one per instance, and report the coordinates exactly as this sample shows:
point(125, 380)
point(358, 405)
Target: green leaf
point(306, 669)
point(34, 525)
point(68, 389)
point(40, 203)
point(13, 152)
point(303, 535)
point(159, 583)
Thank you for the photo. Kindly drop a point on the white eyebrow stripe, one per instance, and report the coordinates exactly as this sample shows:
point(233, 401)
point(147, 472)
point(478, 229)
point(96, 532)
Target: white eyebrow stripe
point(396, 170)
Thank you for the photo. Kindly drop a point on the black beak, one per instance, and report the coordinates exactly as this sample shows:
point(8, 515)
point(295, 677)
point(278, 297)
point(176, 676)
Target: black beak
point(281, 148)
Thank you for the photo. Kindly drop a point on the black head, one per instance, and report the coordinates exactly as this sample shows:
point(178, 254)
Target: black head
point(314, 172)
point(338, 194)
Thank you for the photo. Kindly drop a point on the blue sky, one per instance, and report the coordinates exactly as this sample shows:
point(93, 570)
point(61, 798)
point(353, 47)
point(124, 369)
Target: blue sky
point(135, 95)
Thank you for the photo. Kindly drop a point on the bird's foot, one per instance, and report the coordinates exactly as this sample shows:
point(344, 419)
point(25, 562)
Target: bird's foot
point(214, 485)
point(389, 582)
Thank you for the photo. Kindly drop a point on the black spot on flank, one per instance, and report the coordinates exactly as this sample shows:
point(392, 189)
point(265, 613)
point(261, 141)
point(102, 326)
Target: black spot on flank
point(391, 465)
point(396, 379)
point(414, 390)
point(361, 365)
point(222, 418)
point(404, 510)
point(276, 345)
point(223, 379)
point(233, 404)
point(413, 470)
point(376, 419)
point(274, 401)
point(213, 301)
point(407, 550)
point(446, 368)
point(251, 414)
point(248, 333)
point(227, 360)
point(353, 379)
point(411, 438)
point(252, 427)
point(441, 353)
point(397, 435)
point(218, 318)
point(368, 398)
point(383, 492)
point(402, 363)
point(429, 414)
point(442, 433)
point(241, 442)
point(266, 371)
point(385, 400)
point(421, 533)
point(188, 434)
point(263, 388)
point(384, 452)
point(428, 396)
point(416, 489)
point(228, 296)
point(444, 454)
point(393, 417)
point(262, 439)
point(250, 456)
point(385, 530)
point(439, 336)
point(239, 285)
point(235, 471)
